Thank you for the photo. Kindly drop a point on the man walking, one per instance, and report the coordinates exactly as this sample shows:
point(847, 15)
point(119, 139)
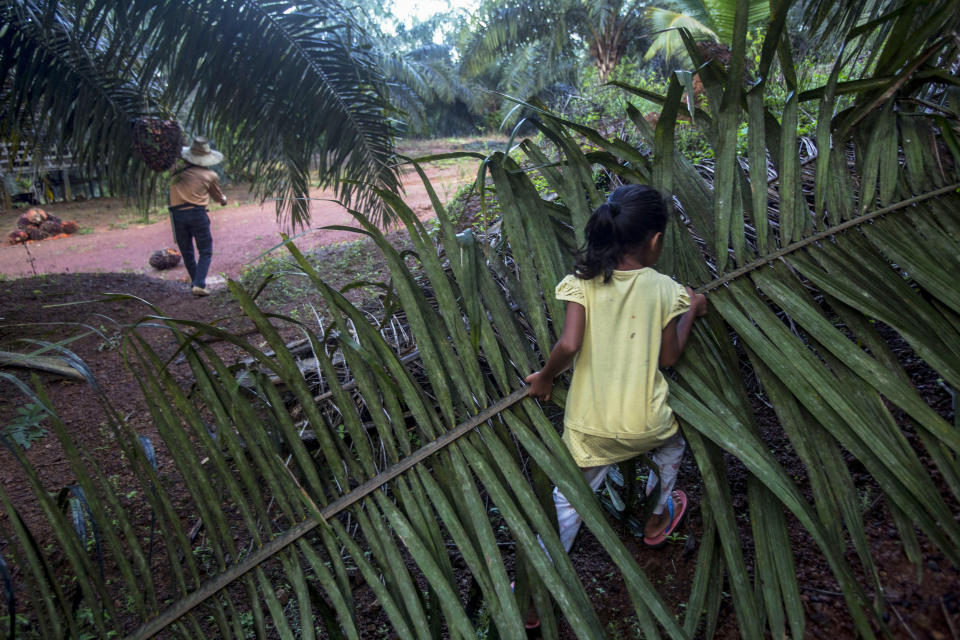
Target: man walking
point(190, 193)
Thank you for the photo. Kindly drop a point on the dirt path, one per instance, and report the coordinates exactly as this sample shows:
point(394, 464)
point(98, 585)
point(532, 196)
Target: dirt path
point(242, 232)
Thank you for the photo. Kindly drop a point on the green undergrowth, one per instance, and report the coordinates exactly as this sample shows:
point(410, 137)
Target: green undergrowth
point(285, 289)
point(466, 212)
point(355, 267)
point(602, 107)
point(25, 428)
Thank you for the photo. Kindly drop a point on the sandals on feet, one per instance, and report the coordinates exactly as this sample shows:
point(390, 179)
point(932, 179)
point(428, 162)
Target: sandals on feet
point(531, 619)
point(677, 506)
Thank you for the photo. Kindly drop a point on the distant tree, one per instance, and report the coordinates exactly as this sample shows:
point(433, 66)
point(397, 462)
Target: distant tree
point(551, 33)
point(424, 77)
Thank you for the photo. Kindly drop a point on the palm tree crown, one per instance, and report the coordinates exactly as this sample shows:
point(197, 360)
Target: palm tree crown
point(558, 28)
point(703, 19)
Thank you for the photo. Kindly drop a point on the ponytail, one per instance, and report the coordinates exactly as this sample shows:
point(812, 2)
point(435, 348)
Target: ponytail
point(630, 216)
point(602, 251)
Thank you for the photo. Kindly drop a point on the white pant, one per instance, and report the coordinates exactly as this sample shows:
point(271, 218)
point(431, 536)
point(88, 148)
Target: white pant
point(666, 457)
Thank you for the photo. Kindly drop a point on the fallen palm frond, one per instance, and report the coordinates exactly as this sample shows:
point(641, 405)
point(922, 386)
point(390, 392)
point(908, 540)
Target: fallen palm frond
point(810, 271)
point(40, 363)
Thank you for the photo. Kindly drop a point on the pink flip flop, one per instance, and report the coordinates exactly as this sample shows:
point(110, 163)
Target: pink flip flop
point(676, 514)
point(531, 620)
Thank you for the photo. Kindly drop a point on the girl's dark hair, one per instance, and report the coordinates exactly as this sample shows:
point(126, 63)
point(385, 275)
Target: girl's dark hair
point(631, 214)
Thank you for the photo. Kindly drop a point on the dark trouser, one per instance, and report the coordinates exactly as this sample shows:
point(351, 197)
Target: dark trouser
point(192, 224)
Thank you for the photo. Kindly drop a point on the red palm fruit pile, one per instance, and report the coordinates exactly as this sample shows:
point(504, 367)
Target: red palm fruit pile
point(157, 141)
point(32, 218)
point(37, 224)
point(165, 259)
point(51, 227)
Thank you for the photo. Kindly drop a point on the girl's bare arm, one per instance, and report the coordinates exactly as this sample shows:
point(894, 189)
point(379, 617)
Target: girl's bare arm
point(675, 335)
point(541, 382)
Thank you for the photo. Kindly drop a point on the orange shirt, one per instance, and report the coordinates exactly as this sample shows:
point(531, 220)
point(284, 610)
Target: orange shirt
point(195, 185)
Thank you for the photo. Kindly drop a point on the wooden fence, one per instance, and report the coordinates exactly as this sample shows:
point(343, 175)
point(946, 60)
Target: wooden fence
point(38, 178)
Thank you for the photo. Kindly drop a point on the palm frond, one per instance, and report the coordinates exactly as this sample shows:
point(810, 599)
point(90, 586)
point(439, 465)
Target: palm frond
point(667, 41)
point(60, 90)
point(317, 99)
point(723, 15)
point(561, 29)
point(421, 78)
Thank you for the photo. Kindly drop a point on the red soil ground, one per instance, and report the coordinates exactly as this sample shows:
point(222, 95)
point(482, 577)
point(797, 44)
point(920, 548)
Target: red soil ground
point(242, 231)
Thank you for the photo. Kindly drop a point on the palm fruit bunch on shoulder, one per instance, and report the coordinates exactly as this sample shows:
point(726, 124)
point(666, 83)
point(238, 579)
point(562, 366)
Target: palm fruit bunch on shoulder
point(17, 236)
point(165, 259)
point(157, 141)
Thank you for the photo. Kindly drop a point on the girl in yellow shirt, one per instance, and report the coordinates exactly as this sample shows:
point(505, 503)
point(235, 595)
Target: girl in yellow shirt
point(624, 320)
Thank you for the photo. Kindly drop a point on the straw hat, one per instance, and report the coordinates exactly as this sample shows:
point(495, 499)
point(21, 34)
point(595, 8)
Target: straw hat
point(199, 153)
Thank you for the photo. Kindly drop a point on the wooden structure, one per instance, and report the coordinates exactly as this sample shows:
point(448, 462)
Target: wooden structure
point(42, 178)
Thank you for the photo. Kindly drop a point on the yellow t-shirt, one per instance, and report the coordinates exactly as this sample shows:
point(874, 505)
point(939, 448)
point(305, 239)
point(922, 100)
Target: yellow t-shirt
point(617, 405)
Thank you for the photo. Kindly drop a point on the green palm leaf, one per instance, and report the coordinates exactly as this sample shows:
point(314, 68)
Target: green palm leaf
point(704, 20)
point(667, 42)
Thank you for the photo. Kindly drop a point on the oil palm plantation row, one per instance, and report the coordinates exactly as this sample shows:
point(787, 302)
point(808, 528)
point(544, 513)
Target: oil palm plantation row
point(607, 32)
point(426, 84)
point(430, 486)
point(287, 92)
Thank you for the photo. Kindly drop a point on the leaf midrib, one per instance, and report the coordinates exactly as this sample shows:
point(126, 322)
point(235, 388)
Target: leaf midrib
point(826, 233)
